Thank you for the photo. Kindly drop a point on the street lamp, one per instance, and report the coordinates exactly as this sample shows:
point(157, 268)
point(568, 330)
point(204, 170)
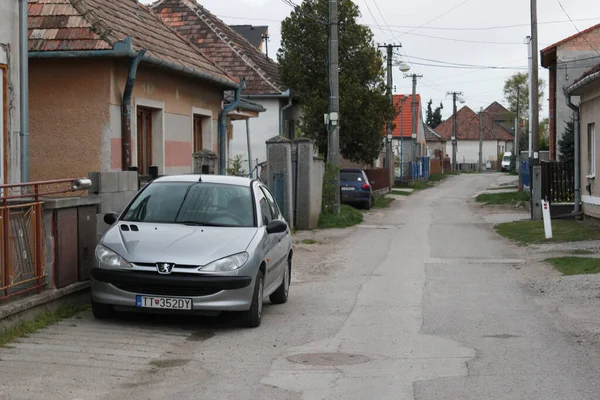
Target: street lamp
point(404, 67)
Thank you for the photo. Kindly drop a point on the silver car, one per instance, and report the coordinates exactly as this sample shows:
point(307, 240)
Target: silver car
point(194, 243)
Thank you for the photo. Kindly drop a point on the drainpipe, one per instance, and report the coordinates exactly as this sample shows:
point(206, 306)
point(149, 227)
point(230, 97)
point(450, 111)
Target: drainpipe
point(577, 172)
point(223, 128)
point(126, 111)
point(24, 89)
point(282, 109)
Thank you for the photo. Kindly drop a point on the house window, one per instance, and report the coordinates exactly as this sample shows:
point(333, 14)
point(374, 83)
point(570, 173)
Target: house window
point(198, 133)
point(591, 149)
point(144, 139)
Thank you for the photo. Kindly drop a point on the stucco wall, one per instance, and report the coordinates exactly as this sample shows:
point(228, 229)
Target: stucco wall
point(567, 71)
point(174, 100)
point(10, 123)
point(68, 114)
point(467, 151)
point(590, 113)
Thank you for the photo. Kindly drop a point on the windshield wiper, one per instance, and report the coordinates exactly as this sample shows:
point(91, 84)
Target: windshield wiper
point(197, 223)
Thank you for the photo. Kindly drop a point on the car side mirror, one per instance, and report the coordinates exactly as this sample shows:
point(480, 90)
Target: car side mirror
point(276, 226)
point(110, 218)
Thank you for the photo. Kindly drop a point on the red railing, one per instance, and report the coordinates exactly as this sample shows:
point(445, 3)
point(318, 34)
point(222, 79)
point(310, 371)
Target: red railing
point(22, 232)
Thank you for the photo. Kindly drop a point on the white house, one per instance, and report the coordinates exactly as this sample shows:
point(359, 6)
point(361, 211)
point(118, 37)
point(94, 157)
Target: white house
point(496, 139)
point(9, 92)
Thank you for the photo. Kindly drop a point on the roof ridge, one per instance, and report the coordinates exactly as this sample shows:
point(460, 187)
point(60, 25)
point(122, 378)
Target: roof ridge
point(201, 13)
point(97, 25)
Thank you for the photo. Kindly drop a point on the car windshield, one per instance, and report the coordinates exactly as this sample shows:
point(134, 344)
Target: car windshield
point(506, 158)
point(193, 203)
point(352, 176)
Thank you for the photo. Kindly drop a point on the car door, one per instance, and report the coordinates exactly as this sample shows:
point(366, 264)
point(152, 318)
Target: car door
point(270, 243)
point(283, 239)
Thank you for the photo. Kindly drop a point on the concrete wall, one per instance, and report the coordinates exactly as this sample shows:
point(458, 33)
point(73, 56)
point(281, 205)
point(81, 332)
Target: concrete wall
point(590, 114)
point(9, 98)
point(68, 115)
point(467, 151)
point(316, 190)
point(309, 185)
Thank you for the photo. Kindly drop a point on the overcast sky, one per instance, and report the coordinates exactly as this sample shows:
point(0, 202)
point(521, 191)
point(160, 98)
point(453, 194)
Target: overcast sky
point(450, 31)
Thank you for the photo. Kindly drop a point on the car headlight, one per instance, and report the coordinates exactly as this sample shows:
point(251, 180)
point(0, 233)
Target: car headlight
point(109, 259)
point(230, 263)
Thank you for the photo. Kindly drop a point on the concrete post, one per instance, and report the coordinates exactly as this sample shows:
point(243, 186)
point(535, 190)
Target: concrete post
point(304, 192)
point(279, 161)
point(536, 193)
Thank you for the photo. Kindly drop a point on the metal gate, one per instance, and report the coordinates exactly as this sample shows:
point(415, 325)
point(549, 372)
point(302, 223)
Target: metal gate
point(279, 190)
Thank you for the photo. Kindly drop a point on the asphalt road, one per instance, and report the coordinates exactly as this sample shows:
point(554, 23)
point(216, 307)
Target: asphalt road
point(421, 302)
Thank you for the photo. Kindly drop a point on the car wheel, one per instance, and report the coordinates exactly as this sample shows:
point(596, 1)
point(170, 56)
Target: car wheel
point(102, 311)
point(280, 296)
point(252, 317)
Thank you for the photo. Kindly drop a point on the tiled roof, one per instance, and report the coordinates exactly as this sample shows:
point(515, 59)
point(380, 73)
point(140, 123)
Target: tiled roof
point(75, 25)
point(467, 127)
point(587, 73)
point(253, 34)
point(496, 109)
point(403, 121)
point(549, 53)
point(578, 34)
point(223, 44)
point(432, 136)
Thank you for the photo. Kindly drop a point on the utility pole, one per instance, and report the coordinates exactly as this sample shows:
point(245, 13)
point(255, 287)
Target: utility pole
point(334, 103)
point(535, 111)
point(454, 97)
point(517, 125)
point(480, 138)
point(390, 84)
point(414, 115)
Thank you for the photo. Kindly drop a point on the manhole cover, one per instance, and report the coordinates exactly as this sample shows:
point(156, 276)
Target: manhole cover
point(328, 359)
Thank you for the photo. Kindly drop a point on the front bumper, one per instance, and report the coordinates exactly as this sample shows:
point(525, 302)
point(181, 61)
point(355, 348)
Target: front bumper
point(207, 292)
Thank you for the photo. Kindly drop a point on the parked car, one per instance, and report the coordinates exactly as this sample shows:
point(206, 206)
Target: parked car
point(194, 244)
point(505, 164)
point(355, 188)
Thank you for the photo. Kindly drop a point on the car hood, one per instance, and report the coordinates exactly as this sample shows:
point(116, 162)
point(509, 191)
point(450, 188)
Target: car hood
point(176, 243)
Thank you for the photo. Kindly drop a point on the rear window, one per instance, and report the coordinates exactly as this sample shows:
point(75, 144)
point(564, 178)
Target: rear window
point(209, 204)
point(352, 176)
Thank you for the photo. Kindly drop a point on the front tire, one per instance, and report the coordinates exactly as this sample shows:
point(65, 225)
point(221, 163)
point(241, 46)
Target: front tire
point(280, 296)
point(102, 311)
point(252, 317)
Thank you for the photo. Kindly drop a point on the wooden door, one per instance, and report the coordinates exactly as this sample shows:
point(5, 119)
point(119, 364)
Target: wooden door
point(144, 139)
point(197, 145)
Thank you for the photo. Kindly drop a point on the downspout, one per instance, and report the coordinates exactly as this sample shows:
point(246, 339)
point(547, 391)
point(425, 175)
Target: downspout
point(24, 89)
point(223, 128)
point(281, 110)
point(577, 168)
point(126, 111)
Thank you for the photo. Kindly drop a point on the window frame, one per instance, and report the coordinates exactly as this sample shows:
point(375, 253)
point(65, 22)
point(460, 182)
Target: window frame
point(591, 149)
point(275, 211)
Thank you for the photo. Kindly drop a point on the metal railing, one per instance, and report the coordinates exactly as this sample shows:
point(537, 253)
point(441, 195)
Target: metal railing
point(22, 233)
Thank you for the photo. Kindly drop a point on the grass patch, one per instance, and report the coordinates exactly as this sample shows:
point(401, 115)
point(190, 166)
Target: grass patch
point(42, 321)
point(503, 198)
point(580, 252)
point(421, 185)
point(309, 241)
point(382, 201)
point(575, 265)
point(347, 217)
point(530, 232)
point(401, 193)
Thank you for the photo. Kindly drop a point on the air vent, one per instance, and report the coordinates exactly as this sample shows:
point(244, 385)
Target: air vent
point(134, 228)
point(125, 228)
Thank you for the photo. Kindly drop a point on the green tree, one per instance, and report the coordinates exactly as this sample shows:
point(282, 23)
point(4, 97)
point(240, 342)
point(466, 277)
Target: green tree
point(434, 118)
point(365, 104)
point(566, 144)
point(517, 83)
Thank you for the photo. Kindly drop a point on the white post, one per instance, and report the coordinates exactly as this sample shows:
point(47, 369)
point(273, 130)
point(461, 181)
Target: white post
point(547, 219)
point(531, 93)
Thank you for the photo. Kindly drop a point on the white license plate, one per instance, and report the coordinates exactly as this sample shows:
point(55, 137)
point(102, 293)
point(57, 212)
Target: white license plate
point(163, 302)
point(348, 188)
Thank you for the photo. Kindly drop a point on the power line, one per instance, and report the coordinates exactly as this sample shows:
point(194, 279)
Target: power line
point(297, 8)
point(578, 31)
point(436, 18)
point(383, 18)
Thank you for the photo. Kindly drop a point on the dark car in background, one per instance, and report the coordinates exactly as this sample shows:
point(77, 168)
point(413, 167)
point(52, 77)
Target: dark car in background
point(355, 188)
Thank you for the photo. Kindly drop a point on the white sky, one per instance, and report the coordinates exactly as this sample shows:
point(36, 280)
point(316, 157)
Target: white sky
point(455, 45)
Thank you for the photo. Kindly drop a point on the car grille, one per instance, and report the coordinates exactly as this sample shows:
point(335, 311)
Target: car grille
point(167, 290)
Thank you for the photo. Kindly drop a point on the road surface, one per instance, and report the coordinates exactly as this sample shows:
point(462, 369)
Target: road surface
point(420, 302)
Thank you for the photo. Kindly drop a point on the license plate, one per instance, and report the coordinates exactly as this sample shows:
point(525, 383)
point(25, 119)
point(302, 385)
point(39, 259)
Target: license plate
point(348, 188)
point(163, 302)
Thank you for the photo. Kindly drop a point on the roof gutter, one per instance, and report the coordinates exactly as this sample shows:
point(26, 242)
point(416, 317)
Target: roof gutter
point(223, 128)
point(124, 48)
point(126, 112)
point(282, 95)
point(577, 166)
point(281, 110)
point(578, 85)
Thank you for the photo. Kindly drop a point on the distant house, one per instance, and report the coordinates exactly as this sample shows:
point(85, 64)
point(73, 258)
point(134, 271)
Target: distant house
point(236, 54)
point(587, 88)
point(501, 115)
point(402, 134)
point(566, 61)
point(9, 92)
point(82, 56)
point(436, 144)
point(254, 34)
point(495, 138)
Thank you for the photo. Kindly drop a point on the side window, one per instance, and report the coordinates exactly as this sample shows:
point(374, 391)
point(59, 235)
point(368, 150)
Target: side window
point(265, 212)
point(272, 204)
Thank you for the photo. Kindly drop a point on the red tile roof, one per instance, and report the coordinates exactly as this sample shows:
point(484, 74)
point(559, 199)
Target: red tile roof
point(223, 44)
point(578, 34)
point(467, 127)
point(432, 136)
point(75, 25)
point(549, 53)
point(403, 121)
point(496, 109)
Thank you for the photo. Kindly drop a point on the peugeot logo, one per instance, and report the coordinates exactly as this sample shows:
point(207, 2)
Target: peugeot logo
point(164, 268)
